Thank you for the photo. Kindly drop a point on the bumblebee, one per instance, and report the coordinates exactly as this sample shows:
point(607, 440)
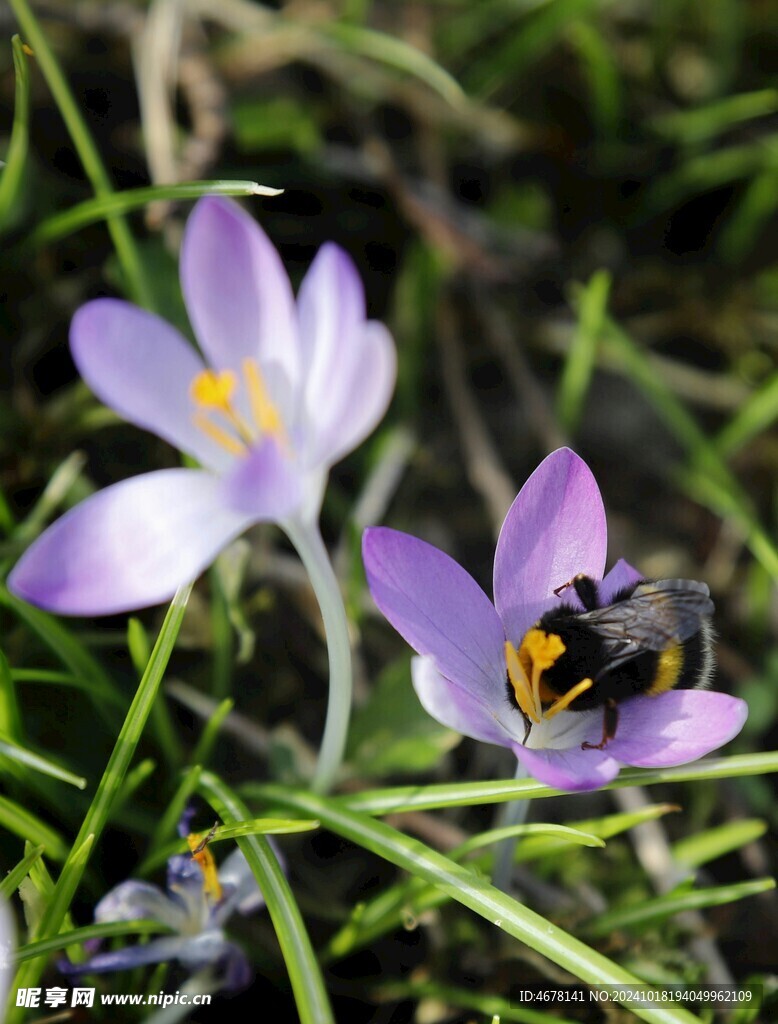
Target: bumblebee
point(652, 637)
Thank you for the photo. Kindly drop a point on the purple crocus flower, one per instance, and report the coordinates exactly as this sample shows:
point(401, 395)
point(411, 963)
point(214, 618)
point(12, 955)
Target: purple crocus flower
point(279, 392)
point(192, 909)
point(554, 530)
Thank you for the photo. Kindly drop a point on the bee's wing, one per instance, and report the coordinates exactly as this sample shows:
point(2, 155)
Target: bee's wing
point(657, 615)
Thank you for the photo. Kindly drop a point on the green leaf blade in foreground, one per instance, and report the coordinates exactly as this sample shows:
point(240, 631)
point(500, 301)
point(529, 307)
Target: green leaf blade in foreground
point(104, 207)
point(304, 973)
point(25, 824)
point(473, 892)
point(107, 791)
point(465, 794)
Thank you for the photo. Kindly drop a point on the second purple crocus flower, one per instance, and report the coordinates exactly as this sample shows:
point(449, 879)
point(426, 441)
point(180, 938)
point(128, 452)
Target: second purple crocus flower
point(280, 391)
point(554, 530)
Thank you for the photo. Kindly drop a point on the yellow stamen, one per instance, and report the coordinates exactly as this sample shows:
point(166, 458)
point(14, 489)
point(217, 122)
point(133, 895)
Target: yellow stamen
point(207, 865)
point(266, 415)
point(568, 698)
point(520, 683)
point(213, 390)
point(540, 650)
point(220, 436)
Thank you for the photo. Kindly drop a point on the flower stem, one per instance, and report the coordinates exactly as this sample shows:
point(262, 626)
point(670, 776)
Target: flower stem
point(513, 813)
point(310, 547)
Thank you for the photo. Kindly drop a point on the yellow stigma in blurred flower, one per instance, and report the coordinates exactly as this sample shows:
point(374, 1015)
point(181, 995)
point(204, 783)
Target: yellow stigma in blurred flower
point(200, 853)
point(213, 393)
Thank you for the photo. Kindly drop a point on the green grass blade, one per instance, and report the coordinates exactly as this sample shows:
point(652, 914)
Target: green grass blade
point(76, 936)
point(16, 155)
point(16, 875)
point(24, 823)
point(702, 123)
point(306, 979)
point(204, 749)
point(711, 481)
point(126, 250)
point(577, 371)
point(465, 794)
point(104, 207)
point(409, 899)
point(699, 849)
point(40, 764)
point(264, 827)
point(110, 785)
point(662, 907)
point(474, 892)
point(70, 652)
point(394, 53)
point(753, 417)
point(562, 833)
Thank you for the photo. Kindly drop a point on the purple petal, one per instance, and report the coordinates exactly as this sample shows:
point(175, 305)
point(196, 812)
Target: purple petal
point(465, 710)
point(554, 530)
point(621, 575)
point(439, 609)
point(129, 546)
point(155, 952)
point(142, 367)
point(569, 769)
point(133, 900)
point(238, 295)
point(350, 365)
point(675, 727)
point(242, 892)
point(266, 484)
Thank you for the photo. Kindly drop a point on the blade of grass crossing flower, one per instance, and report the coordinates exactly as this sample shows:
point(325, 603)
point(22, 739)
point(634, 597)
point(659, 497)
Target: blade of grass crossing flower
point(16, 154)
point(102, 207)
point(25, 824)
point(416, 798)
point(662, 907)
point(126, 250)
point(16, 875)
point(464, 794)
point(472, 891)
point(110, 785)
point(304, 973)
point(699, 849)
point(90, 932)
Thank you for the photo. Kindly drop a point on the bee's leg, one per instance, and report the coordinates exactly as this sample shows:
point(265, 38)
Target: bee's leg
point(587, 592)
point(610, 722)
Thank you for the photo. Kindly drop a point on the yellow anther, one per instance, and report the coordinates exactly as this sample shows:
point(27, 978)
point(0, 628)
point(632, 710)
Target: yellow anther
point(206, 863)
point(214, 390)
point(266, 415)
point(521, 684)
point(221, 437)
point(568, 698)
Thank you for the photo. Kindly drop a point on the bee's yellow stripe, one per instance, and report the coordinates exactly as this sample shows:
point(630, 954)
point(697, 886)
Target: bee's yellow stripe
point(668, 670)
